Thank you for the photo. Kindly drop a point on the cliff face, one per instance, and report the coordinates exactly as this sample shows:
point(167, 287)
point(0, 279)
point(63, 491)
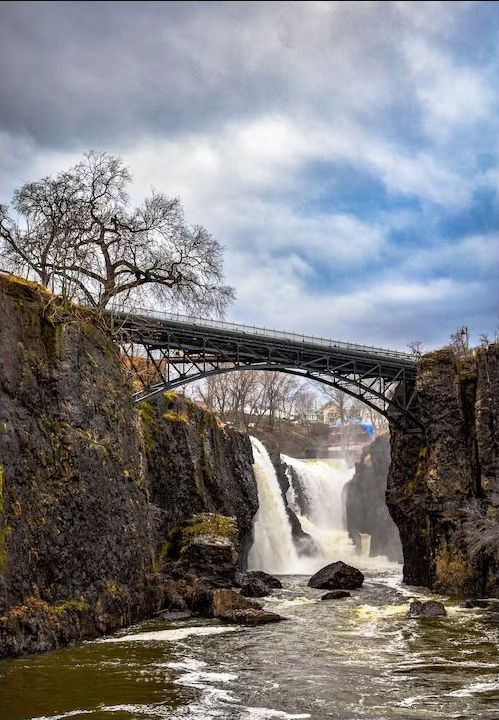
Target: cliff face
point(365, 502)
point(195, 464)
point(74, 489)
point(89, 487)
point(444, 480)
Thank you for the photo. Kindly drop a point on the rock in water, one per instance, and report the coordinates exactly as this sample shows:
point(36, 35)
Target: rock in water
point(337, 575)
point(224, 601)
point(253, 587)
point(252, 617)
point(482, 603)
point(230, 606)
point(269, 580)
point(256, 583)
point(428, 609)
point(336, 595)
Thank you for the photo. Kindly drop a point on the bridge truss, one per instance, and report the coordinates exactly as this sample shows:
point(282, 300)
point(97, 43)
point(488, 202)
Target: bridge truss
point(166, 351)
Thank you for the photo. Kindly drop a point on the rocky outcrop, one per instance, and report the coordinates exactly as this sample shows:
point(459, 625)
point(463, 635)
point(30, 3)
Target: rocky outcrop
point(365, 502)
point(93, 492)
point(195, 464)
point(444, 479)
point(303, 541)
point(335, 576)
point(75, 497)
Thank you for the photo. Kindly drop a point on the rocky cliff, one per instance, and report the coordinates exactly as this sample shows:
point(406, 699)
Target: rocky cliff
point(443, 480)
point(365, 502)
point(90, 488)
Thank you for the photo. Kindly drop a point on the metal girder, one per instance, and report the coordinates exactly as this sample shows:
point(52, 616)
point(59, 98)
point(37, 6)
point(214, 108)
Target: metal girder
point(175, 354)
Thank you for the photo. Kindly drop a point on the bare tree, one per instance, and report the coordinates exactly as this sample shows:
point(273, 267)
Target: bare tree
point(460, 341)
point(481, 527)
point(304, 403)
point(250, 396)
point(278, 390)
point(79, 236)
point(215, 393)
point(415, 348)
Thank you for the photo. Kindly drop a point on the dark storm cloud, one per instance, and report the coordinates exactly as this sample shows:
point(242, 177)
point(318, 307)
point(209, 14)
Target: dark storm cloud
point(93, 71)
point(345, 153)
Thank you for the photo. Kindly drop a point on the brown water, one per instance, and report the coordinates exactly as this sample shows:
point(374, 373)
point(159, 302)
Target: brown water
point(353, 659)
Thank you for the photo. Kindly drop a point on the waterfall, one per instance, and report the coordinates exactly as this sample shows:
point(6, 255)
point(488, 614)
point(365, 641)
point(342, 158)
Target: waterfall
point(315, 495)
point(273, 549)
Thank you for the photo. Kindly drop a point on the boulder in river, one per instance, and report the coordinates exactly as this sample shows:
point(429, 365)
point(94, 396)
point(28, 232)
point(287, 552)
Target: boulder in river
point(482, 603)
point(335, 576)
point(428, 609)
point(230, 606)
point(251, 616)
point(253, 587)
point(269, 580)
point(256, 583)
point(336, 595)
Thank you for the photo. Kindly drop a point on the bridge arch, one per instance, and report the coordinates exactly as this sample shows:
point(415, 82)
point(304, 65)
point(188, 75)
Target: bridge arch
point(376, 400)
point(179, 351)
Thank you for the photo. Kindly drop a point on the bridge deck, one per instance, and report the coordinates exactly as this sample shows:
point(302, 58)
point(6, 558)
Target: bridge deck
point(156, 327)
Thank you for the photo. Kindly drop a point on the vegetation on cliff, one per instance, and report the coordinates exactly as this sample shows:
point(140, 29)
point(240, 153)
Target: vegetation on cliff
point(91, 488)
point(442, 484)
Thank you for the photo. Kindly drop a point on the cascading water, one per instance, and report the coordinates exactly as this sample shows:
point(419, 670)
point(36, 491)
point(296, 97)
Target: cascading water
point(315, 495)
point(273, 549)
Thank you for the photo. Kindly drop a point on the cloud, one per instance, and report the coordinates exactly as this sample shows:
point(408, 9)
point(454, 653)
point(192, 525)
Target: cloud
point(328, 145)
point(450, 94)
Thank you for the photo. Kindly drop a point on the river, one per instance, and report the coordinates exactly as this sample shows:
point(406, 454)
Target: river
point(356, 658)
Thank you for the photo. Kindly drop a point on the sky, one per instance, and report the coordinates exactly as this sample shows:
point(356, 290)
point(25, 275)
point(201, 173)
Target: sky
point(345, 154)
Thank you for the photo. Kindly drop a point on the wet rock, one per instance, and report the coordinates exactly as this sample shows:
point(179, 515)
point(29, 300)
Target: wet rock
point(232, 607)
point(225, 601)
point(164, 593)
point(253, 587)
point(199, 598)
point(269, 580)
point(337, 575)
point(336, 595)
point(173, 615)
point(428, 609)
point(256, 583)
point(251, 616)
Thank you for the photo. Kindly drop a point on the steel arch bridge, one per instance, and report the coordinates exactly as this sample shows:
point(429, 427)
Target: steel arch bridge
point(166, 351)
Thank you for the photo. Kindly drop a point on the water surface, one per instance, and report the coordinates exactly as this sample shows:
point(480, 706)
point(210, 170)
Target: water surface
point(358, 658)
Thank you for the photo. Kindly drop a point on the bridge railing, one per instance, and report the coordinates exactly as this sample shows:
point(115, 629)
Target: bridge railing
point(264, 332)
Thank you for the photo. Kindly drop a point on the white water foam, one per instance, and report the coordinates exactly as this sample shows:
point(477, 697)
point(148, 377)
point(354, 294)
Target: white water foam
point(315, 494)
point(273, 549)
point(171, 635)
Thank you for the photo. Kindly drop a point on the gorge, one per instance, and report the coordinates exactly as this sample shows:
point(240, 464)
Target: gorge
point(97, 498)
